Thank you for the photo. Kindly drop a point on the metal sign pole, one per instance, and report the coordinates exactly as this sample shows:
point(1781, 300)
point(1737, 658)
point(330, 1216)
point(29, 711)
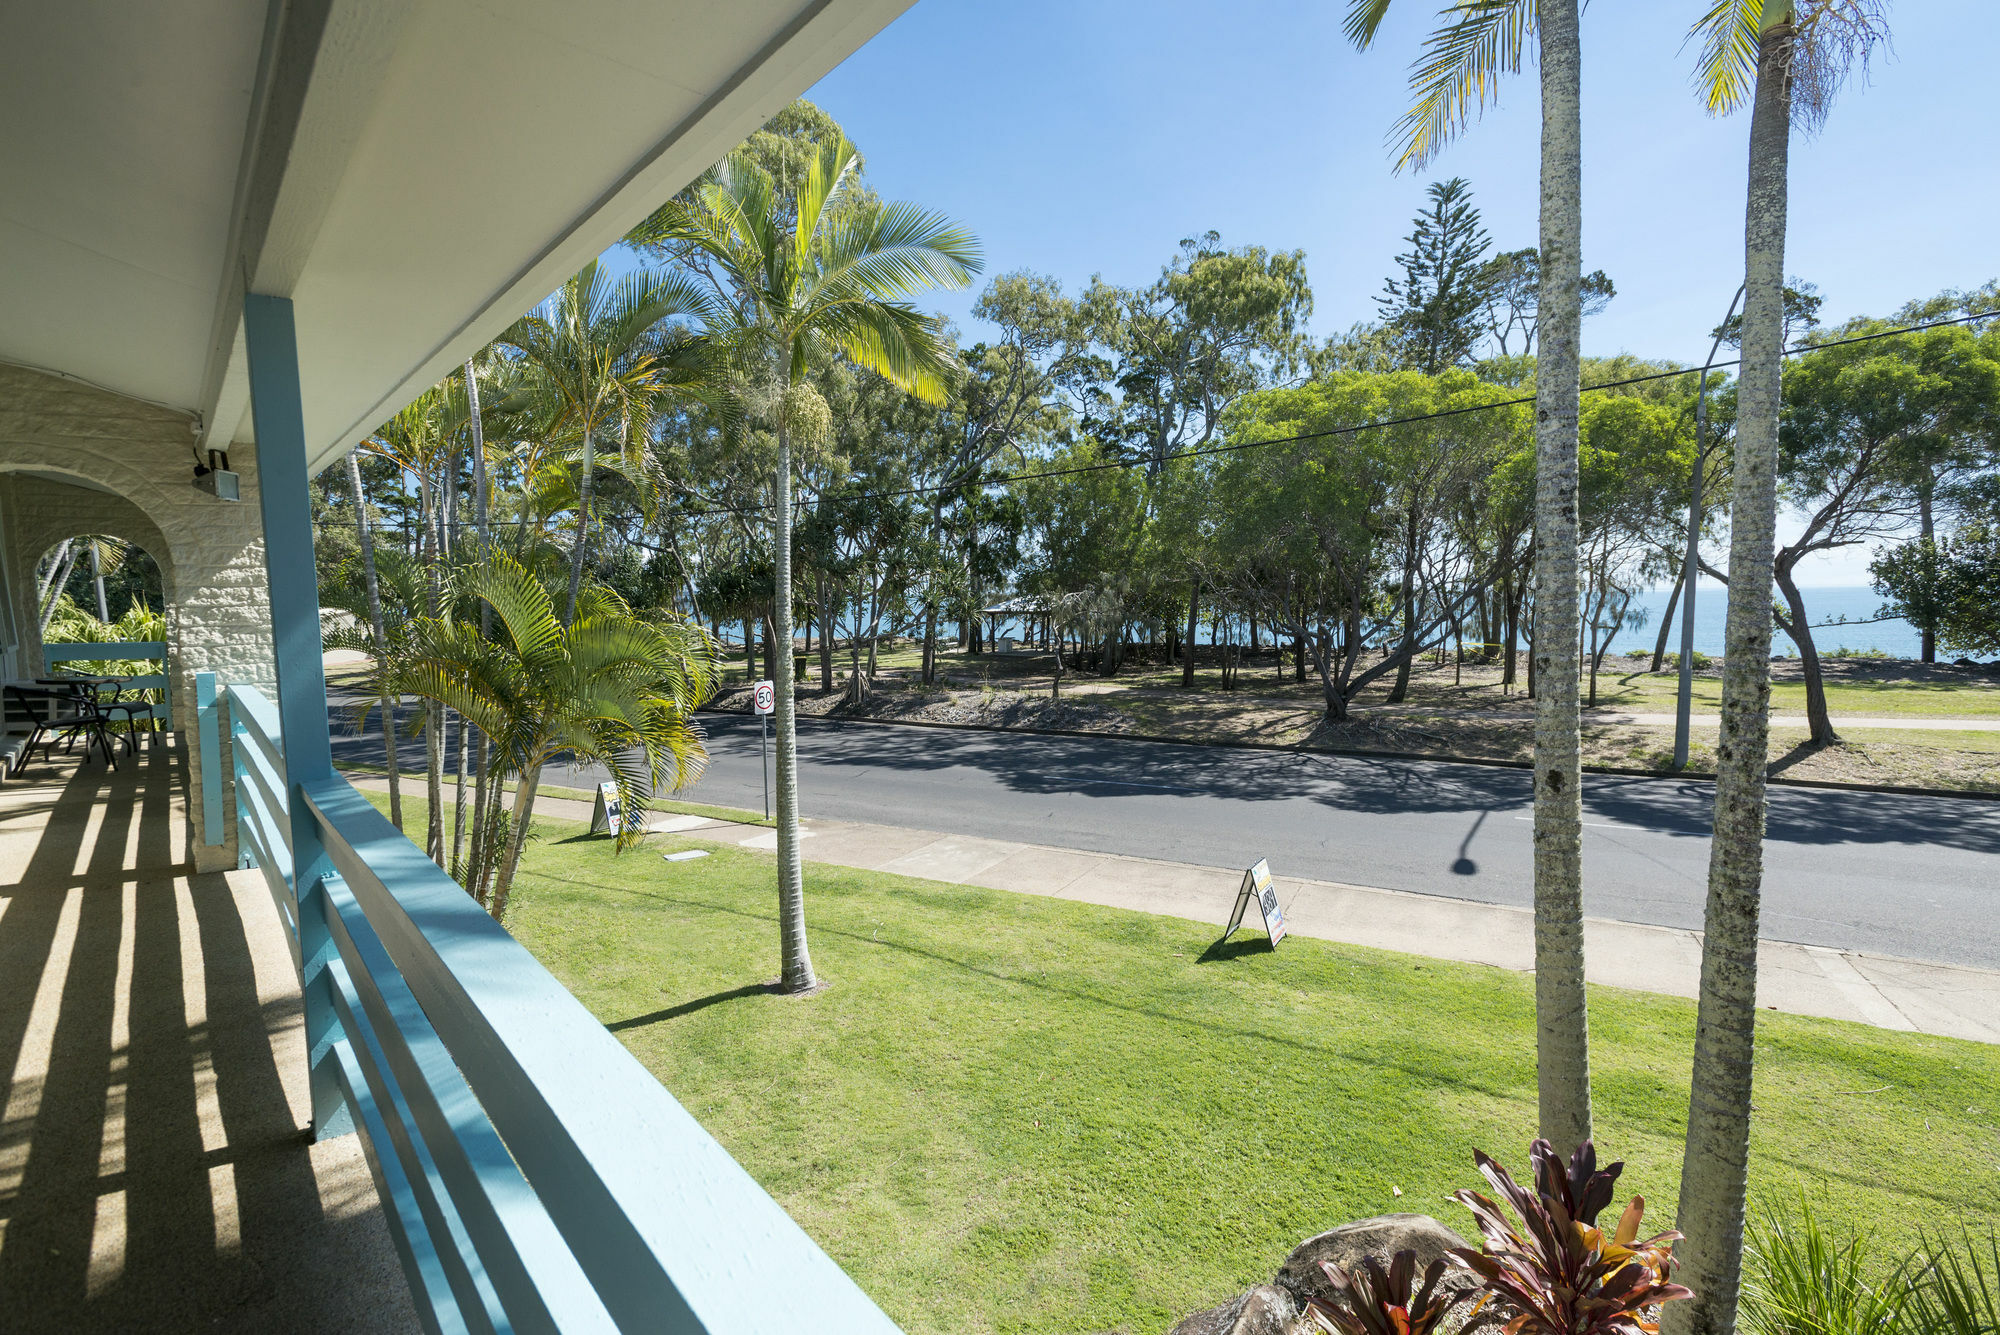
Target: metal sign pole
point(764, 759)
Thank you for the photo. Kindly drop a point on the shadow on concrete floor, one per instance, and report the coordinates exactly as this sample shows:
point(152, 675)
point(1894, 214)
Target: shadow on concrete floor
point(153, 1173)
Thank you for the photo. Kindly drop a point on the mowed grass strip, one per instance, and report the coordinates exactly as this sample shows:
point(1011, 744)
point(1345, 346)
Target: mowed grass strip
point(1011, 1113)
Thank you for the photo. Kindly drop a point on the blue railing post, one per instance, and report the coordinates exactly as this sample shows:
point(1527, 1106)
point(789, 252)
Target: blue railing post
point(208, 724)
point(282, 488)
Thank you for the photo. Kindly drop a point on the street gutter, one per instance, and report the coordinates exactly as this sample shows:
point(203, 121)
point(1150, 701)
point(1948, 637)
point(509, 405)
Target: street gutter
point(1295, 749)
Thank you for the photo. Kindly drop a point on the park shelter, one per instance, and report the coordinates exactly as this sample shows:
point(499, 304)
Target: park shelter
point(267, 1068)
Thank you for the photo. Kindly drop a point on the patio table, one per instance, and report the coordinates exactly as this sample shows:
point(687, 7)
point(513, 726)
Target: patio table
point(95, 684)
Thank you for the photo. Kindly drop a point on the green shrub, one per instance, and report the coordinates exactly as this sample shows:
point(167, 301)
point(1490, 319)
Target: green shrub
point(1801, 1279)
point(1702, 662)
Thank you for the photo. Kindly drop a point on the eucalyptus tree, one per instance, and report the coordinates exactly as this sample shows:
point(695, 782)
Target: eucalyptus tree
point(1785, 59)
point(1313, 526)
point(601, 355)
point(1510, 287)
point(1475, 42)
point(1871, 438)
point(1003, 396)
point(814, 266)
point(1219, 322)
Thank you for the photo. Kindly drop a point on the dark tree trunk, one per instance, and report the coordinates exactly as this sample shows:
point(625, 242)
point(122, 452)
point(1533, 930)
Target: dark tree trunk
point(828, 618)
point(1409, 595)
point(1667, 622)
point(1926, 530)
point(1194, 611)
point(1817, 718)
point(1511, 605)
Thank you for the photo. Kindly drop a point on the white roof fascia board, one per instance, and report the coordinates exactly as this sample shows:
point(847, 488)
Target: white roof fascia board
point(322, 67)
point(820, 36)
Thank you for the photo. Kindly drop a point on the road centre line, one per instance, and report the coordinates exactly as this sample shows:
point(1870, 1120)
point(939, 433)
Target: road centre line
point(1602, 825)
point(1127, 783)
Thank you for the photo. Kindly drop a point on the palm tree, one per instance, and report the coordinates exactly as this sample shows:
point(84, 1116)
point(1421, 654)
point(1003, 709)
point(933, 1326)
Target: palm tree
point(1786, 58)
point(825, 269)
point(601, 355)
point(372, 583)
point(420, 441)
point(1476, 41)
point(608, 687)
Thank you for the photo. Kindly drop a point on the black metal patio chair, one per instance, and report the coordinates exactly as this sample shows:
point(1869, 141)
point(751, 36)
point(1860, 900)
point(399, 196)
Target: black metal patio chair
point(58, 713)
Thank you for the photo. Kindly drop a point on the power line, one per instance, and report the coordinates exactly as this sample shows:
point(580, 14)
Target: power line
point(1106, 465)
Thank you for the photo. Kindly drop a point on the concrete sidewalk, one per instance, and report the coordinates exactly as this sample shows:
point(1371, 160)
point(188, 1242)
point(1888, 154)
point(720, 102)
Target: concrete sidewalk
point(1888, 993)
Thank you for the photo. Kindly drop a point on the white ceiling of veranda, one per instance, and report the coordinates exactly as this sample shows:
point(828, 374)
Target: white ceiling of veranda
point(120, 130)
point(413, 173)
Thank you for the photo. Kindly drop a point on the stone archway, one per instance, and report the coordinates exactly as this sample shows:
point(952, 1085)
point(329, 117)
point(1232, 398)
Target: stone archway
point(37, 512)
point(75, 460)
point(129, 572)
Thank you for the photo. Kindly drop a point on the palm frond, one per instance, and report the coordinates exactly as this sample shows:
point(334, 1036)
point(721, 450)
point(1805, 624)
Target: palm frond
point(897, 342)
point(1459, 73)
point(1363, 18)
point(1726, 71)
point(522, 603)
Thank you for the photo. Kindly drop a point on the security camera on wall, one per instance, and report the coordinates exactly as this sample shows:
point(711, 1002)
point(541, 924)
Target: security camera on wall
point(215, 478)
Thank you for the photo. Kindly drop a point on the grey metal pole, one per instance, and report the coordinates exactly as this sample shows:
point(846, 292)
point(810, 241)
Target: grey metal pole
point(1691, 566)
point(764, 759)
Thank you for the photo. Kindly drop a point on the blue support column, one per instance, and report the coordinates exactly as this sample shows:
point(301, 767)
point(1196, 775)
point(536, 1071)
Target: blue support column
point(208, 727)
point(282, 489)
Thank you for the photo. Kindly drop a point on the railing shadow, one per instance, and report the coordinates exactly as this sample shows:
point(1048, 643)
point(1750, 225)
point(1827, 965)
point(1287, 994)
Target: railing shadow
point(154, 1176)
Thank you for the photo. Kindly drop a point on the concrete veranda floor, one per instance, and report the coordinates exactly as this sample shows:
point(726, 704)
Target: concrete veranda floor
point(153, 1174)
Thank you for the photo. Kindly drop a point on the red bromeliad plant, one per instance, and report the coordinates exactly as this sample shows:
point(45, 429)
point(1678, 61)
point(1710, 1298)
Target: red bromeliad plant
point(1371, 1301)
point(1557, 1272)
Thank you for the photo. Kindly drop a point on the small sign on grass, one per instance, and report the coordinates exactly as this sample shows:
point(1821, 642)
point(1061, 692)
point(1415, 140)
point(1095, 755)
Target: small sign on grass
point(607, 815)
point(1257, 885)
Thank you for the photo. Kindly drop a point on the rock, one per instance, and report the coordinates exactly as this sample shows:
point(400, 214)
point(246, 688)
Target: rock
point(1381, 1237)
point(1264, 1310)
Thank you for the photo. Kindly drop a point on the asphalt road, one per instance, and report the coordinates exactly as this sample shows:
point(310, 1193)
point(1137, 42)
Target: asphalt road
point(1917, 877)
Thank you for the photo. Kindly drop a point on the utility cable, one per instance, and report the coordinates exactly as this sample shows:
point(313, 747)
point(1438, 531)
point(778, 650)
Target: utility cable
point(1205, 451)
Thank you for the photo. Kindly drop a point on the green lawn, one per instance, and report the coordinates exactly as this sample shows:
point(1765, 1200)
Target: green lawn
point(1010, 1113)
point(1970, 698)
point(665, 806)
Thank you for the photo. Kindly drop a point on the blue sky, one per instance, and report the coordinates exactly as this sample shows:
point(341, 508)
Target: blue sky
point(1089, 136)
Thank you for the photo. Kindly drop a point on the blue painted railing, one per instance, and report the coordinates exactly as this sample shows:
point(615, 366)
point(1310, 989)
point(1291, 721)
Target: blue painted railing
point(120, 651)
point(535, 1177)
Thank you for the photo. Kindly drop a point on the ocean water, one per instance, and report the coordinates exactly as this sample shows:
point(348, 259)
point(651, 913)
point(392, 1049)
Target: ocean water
point(1855, 605)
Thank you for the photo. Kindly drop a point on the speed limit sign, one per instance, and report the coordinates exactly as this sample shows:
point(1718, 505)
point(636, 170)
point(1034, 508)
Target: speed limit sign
point(765, 697)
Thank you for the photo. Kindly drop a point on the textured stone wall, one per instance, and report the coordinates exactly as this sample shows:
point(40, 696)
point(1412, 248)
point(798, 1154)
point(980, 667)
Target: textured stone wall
point(210, 552)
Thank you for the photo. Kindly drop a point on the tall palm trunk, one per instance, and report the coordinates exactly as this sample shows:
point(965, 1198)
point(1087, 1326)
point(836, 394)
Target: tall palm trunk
point(429, 555)
point(97, 578)
point(476, 872)
point(1562, 1019)
point(797, 969)
point(58, 579)
point(366, 534)
point(583, 497)
point(1715, 1167)
point(510, 862)
point(451, 531)
point(57, 564)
